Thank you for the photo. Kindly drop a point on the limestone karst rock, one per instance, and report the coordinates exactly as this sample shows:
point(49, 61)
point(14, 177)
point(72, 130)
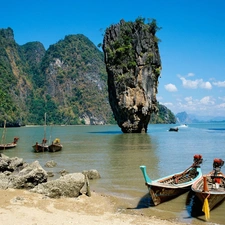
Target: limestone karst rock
point(133, 65)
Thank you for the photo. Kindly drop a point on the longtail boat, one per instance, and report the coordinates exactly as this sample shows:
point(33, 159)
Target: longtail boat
point(210, 189)
point(171, 186)
point(43, 146)
point(9, 145)
point(55, 146)
point(3, 145)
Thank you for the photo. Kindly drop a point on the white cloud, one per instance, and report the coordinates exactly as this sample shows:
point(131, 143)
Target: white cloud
point(219, 83)
point(221, 106)
point(189, 83)
point(189, 100)
point(159, 98)
point(167, 104)
point(170, 87)
point(206, 106)
point(190, 74)
point(194, 84)
point(207, 100)
point(205, 85)
point(222, 98)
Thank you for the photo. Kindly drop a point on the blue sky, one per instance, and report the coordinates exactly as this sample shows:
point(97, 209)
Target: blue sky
point(192, 46)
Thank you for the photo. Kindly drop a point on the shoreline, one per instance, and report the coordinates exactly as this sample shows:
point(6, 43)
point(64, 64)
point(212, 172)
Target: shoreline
point(22, 206)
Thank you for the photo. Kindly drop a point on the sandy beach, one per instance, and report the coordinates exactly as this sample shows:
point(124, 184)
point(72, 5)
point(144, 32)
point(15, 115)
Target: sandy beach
point(27, 208)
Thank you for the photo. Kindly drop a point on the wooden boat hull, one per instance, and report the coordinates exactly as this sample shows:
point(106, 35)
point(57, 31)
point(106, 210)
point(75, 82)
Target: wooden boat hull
point(163, 194)
point(7, 146)
point(172, 186)
point(213, 199)
point(40, 148)
point(55, 147)
point(43, 147)
point(214, 195)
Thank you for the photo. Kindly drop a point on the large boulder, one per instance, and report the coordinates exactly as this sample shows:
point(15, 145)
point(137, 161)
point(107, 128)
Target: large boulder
point(30, 176)
point(10, 164)
point(17, 174)
point(91, 174)
point(69, 185)
point(50, 164)
point(133, 65)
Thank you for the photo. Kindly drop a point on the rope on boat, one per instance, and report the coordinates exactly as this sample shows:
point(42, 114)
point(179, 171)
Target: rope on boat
point(177, 177)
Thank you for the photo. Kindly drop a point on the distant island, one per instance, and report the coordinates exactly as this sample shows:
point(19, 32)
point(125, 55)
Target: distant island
point(185, 118)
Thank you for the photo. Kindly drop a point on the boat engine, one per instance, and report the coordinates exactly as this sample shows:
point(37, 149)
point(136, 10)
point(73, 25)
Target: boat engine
point(198, 160)
point(217, 164)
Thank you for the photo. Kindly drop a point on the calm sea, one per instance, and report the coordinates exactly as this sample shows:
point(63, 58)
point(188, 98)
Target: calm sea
point(117, 157)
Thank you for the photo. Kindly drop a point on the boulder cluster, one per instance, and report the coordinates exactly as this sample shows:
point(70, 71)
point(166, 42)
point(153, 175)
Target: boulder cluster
point(17, 174)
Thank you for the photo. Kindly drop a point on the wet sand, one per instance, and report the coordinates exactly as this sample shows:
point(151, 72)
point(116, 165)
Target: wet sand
point(27, 208)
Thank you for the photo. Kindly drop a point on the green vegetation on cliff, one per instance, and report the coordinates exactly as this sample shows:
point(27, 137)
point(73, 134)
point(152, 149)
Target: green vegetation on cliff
point(121, 51)
point(68, 82)
point(164, 115)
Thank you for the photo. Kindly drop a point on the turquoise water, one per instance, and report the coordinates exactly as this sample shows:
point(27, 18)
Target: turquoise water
point(117, 157)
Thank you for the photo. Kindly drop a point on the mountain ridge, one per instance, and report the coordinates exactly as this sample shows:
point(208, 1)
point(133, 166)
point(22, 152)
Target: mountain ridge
point(68, 81)
point(185, 118)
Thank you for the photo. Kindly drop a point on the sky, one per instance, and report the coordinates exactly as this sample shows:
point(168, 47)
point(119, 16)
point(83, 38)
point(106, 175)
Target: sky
point(192, 46)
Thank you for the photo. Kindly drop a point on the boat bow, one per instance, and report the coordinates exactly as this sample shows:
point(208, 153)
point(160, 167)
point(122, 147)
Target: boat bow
point(144, 172)
point(171, 186)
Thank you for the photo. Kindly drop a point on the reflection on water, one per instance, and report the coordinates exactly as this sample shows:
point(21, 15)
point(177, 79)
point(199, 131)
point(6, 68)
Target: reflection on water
point(125, 155)
point(118, 156)
point(193, 205)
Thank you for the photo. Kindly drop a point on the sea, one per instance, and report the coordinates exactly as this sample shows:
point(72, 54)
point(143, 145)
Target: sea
point(118, 157)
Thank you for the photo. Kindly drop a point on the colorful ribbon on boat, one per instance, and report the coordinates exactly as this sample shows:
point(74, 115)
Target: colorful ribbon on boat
point(206, 209)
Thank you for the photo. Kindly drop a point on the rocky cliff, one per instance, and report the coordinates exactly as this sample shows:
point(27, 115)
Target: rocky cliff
point(133, 66)
point(76, 79)
point(15, 80)
point(68, 81)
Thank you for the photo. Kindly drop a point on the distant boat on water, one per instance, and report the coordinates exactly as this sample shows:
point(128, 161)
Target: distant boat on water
point(43, 146)
point(183, 125)
point(3, 145)
point(174, 129)
point(55, 146)
point(9, 145)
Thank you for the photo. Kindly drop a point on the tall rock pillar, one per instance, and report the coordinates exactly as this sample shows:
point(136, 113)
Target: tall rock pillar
point(133, 65)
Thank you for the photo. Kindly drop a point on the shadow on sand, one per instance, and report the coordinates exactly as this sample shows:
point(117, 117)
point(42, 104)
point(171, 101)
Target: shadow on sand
point(145, 202)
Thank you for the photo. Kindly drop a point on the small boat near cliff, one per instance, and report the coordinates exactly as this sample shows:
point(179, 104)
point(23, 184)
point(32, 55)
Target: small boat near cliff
point(4, 146)
point(9, 145)
point(171, 186)
point(43, 146)
point(210, 189)
point(55, 146)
